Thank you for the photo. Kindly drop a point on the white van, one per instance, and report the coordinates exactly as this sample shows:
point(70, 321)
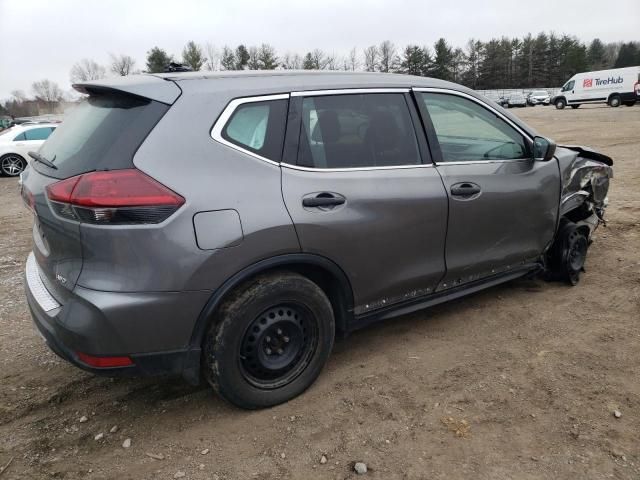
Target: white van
point(614, 87)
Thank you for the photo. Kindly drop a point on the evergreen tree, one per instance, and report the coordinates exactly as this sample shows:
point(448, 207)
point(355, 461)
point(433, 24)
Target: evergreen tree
point(596, 55)
point(474, 61)
point(242, 57)
point(157, 59)
point(267, 57)
point(627, 56)
point(413, 60)
point(309, 62)
point(228, 59)
point(442, 62)
point(193, 56)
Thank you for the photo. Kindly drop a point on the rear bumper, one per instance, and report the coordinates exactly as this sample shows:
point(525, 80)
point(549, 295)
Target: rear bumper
point(153, 329)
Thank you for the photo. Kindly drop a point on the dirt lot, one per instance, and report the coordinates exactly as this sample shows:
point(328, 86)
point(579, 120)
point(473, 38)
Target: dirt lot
point(517, 382)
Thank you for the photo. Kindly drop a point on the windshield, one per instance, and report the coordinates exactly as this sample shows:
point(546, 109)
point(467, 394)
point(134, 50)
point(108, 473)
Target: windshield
point(540, 93)
point(102, 132)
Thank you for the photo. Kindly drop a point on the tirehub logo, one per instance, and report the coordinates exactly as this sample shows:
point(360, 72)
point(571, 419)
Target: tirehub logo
point(588, 82)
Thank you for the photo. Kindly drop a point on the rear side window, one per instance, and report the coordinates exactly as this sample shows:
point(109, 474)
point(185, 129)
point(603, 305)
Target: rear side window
point(102, 133)
point(258, 127)
point(351, 131)
point(19, 137)
point(38, 133)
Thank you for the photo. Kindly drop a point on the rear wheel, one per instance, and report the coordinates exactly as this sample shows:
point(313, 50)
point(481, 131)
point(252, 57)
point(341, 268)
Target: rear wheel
point(629, 104)
point(614, 101)
point(12, 164)
point(575, 106)
point(560, 103)
point(271, 340)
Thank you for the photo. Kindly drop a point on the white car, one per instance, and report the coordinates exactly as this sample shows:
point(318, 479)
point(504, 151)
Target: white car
point(539, 97)
point(16, 143)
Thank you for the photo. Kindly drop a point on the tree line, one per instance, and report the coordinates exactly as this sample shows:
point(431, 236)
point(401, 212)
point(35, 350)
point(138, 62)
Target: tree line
point(544, 60)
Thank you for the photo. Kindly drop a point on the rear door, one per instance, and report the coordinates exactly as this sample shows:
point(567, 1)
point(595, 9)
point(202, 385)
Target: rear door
point(362, 191)
point(502, 205)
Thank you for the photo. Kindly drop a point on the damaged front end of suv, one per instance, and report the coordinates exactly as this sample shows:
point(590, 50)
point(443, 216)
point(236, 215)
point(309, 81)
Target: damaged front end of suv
point(585, 176)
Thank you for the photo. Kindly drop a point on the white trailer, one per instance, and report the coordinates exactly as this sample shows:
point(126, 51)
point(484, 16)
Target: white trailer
point(615, 87)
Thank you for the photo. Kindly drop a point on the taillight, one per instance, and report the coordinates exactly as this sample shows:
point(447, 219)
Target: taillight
point(113, 197)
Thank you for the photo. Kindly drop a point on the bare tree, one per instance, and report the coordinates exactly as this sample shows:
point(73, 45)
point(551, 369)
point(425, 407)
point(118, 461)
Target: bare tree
point(47, 92)
point(122, 64)
point(353, 61)
point(18, 96)
point(371, 58)
point(291, 61)
point(388, 58)
point(254, 59)
point(86, 69)
point(212, 57)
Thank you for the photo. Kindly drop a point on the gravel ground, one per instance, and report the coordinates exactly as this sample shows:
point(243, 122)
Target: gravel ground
point(517, 382)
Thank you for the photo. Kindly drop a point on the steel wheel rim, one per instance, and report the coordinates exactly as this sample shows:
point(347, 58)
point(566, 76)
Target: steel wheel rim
point(577, 252)
point(12, 165)
point(278, 345)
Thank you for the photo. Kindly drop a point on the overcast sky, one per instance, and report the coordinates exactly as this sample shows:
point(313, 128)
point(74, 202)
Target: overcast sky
point(44, 38)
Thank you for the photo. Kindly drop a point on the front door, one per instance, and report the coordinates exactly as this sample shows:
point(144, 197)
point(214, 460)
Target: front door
point(503, 205)
point(362, 192)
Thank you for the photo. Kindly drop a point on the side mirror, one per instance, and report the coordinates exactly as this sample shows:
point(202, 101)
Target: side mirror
point(543, 149)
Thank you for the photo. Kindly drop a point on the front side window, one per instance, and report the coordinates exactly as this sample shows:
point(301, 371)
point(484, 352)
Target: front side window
point(38, 133)
point(466, 131)
point(569, 86)
point(19, 138)
point(258, 127)
point(359, 130)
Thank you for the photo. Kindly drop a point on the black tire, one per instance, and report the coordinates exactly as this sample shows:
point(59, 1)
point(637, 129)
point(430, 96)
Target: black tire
point(629, 104)
point(614, 101)
point(270, 340)
point(560, 103)
point(12, 165)
point(575, 106)
point(568, 253)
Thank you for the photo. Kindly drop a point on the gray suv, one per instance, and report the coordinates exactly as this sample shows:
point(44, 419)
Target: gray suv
point(228, 226)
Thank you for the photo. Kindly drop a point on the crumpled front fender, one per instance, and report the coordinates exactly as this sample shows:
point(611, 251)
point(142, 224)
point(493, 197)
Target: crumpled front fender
point(585, 178)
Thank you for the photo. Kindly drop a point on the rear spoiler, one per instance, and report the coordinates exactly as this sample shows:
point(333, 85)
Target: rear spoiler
point(146, 86)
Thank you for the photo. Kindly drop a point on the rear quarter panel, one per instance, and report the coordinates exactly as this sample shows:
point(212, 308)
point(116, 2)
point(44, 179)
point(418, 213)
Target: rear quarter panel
point(181, 154)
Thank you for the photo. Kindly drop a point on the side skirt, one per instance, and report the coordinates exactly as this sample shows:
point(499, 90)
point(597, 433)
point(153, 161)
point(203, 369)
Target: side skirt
point(415, 304)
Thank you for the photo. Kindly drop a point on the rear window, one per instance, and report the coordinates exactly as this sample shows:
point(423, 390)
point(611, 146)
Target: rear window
point(38, 133)
point(102, 133)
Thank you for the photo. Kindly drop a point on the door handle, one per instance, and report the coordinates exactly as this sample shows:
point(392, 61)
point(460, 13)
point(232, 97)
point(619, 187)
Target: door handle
point(465, 189)
point(324, 199)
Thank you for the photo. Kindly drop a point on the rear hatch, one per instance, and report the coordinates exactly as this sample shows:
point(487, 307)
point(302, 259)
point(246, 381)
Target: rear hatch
point(100, 134)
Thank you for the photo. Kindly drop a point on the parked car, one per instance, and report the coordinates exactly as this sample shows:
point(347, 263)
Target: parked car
point(234, 238)
point(17, 141)
point(516, 100)
point(615, 87)
point(538, 97)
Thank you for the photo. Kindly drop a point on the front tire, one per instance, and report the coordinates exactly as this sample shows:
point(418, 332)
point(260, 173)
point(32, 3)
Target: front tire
point(12, 165)
point(270, 342)
point(568, 253)
point(560, 103)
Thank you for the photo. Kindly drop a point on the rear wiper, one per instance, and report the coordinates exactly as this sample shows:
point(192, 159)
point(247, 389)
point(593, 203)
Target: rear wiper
point(39, 158)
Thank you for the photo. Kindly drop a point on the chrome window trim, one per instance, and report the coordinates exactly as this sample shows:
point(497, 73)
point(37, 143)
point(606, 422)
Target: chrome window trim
point(221, 122)
point(347, 91)
point(487, 107)
point(356, 169)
